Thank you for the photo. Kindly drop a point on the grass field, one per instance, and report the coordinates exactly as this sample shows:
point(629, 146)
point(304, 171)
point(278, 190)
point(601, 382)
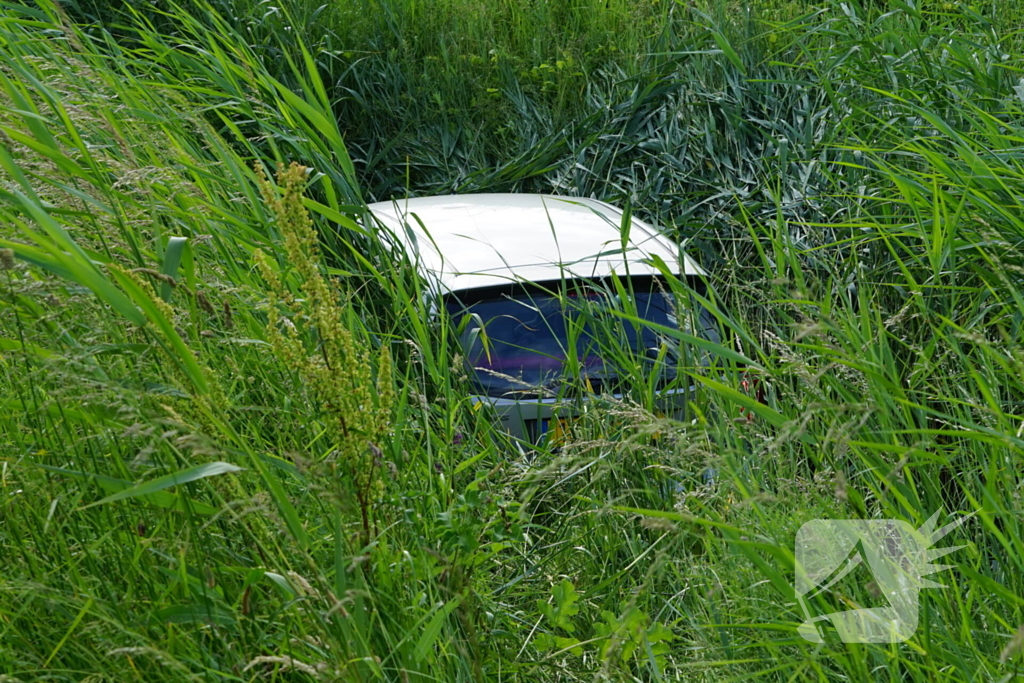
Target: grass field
point(234, 446)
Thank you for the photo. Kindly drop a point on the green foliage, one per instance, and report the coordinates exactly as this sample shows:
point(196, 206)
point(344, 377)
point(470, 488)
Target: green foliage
point(619, 638)
point(560, 615)
point(849, 173)
point(632, 635)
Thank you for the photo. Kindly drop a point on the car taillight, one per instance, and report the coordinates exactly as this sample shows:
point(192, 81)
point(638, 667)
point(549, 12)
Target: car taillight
point(751, 386)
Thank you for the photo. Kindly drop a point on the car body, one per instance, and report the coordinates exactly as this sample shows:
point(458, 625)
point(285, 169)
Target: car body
point(516, 271)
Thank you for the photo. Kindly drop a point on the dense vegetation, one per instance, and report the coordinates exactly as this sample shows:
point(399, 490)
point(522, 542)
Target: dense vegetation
point(233, 446)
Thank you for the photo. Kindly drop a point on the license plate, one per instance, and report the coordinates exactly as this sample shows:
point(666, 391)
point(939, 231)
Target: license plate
point(553, 431)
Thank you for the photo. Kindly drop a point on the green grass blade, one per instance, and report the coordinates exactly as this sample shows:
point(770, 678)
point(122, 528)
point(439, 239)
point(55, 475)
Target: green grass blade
point(210, 469)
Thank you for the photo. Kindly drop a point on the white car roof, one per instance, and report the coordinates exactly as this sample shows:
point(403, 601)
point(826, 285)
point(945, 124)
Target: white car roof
point(481, 240)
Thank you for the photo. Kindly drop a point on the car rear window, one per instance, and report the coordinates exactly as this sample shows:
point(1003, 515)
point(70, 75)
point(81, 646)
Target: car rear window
point(518, 343)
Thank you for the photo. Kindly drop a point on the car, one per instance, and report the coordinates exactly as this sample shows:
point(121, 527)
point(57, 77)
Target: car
point(525, 279)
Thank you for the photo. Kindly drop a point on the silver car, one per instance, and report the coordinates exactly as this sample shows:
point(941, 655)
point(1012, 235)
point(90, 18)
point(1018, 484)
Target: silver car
point(519, 273)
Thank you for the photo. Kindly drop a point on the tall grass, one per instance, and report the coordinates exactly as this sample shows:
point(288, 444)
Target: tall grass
point(683, 109)
point(177, 491)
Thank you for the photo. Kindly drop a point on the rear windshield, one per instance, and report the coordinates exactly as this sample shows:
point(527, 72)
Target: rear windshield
point(519, 344)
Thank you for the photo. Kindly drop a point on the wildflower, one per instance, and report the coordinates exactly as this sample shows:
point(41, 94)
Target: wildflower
point(308, 333)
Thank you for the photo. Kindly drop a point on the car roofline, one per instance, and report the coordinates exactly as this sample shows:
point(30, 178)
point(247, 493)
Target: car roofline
point(501, 238)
